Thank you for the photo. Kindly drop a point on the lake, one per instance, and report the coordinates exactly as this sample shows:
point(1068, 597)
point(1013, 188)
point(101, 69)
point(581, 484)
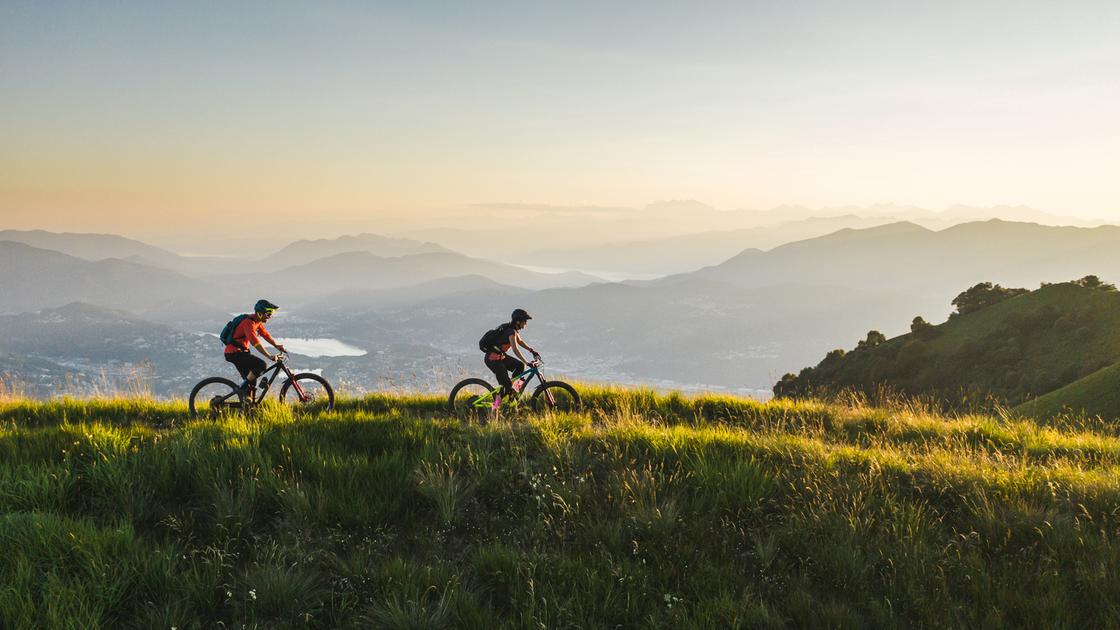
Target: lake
point(321, 347)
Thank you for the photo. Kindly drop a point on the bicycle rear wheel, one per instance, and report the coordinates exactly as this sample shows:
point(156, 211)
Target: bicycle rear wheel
point(307, 390)
point(556, 396)
point(215, 396)
point(465, 394)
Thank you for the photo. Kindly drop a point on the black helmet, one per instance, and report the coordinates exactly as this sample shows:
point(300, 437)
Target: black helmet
point(519, 315)
point(264, 306)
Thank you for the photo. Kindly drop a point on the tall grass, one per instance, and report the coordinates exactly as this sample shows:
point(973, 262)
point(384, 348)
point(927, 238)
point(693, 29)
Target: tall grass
point(11, 388)
point(645, 510)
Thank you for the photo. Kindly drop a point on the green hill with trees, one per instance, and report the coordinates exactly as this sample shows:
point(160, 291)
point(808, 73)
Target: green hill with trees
point(1001, 345)
point(644, 511)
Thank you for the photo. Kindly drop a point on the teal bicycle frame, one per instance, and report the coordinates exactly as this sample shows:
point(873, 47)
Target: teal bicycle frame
point(487, 401)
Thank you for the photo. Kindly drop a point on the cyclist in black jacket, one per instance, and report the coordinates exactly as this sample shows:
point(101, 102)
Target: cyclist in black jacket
point(505, 338)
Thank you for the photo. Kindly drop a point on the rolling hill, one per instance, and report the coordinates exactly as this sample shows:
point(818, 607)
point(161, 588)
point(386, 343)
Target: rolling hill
point(96, 247)
point(1097, 394)
point(89, 246)
point(693, 251)
point(355, 271)
point(36, 278)
point(306, 251)
point(451, 288)
point(1012, 351)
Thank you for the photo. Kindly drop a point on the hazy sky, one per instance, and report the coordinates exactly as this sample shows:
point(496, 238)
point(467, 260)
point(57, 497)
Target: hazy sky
point(147, 117)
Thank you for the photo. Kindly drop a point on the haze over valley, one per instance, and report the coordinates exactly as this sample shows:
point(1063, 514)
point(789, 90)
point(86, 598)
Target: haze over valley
point(728, 310)
point(685, 199)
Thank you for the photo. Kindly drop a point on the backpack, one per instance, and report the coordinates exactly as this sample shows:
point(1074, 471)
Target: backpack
point(493, 338)
point(226, 336)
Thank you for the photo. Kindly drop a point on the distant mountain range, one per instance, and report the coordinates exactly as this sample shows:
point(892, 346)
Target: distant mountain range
point(90, 247)
point(95, 247)
point(363, 271)
point(937, 218)
point(693, 251)
point(913, 259)
point(736, 325)
point(37, 278)
point(443, 288)
point(304, 252)
point(681, 236)
point(676, 217)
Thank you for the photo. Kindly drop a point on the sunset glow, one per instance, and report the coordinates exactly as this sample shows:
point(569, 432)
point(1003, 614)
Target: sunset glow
point(114, 115)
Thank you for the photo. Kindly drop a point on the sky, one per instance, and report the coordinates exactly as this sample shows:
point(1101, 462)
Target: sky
point(151, 118)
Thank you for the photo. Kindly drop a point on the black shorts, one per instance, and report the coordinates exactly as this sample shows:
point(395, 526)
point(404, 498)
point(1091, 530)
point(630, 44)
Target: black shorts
point(245, 363)
point(502, 367)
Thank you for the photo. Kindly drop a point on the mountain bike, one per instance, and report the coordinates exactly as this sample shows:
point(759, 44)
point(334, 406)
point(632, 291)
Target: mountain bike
point(216, 395)
point(476, 397)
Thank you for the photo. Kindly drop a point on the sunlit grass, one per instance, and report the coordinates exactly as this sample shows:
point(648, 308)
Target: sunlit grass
point(644, 509)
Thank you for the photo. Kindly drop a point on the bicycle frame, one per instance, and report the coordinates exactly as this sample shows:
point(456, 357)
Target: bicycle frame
point(276, 368)
point(485, 402)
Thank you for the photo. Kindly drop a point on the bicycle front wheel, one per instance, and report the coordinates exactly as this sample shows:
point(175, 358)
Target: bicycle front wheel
point(466, 394)
point(307, 390)
point(213, 397)
point(556, 396)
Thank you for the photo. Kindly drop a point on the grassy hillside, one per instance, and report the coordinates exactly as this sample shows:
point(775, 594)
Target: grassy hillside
point(645, 511)
point(1095, 395)
point(1011, 351)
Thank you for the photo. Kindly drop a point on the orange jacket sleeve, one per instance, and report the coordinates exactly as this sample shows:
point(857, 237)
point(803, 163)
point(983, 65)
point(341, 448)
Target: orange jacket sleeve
point(267, 337)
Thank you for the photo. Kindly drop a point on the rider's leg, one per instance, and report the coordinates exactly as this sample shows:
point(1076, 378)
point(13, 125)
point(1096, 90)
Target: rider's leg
point(249, 367)
point(514, 366)
point(498, 367)
point(257, 366)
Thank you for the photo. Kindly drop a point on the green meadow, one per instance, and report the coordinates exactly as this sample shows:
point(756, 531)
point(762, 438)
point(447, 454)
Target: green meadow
point(646, 510)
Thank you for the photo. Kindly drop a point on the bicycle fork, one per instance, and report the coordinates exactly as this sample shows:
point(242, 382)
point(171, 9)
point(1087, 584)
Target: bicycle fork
point(303, 397)
point(547, 394)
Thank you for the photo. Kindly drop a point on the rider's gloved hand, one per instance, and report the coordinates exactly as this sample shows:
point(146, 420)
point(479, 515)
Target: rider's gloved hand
point(536, 355)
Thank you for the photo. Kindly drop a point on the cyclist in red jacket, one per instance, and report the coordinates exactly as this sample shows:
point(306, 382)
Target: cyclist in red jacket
point(249, 333)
